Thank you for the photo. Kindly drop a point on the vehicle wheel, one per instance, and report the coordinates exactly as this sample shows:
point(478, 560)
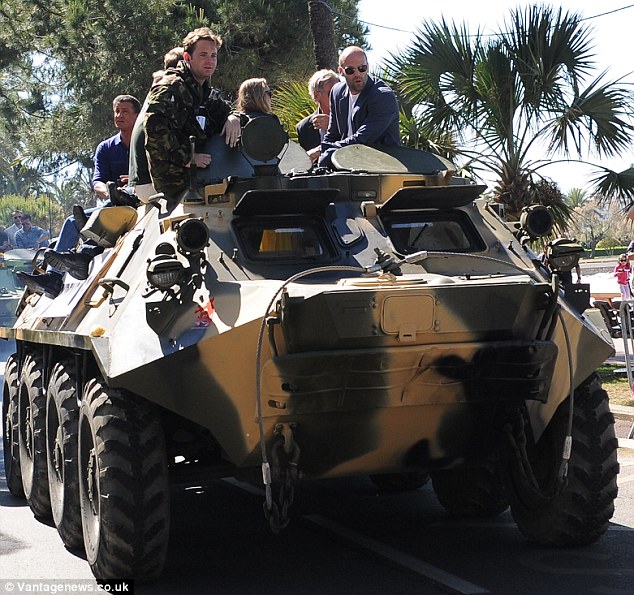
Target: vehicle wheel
point(124, 492)
point(579, 513)
point(10, 431)
point(32, 433)
point(62, 419)
point(400, 482)
point(471, 491)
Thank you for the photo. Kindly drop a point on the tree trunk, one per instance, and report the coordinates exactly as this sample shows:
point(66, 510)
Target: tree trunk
point(321, 25)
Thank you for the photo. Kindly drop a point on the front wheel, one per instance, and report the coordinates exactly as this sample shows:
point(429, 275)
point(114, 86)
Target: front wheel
point(124, 492)
point(32, 432)
point(579, 512)
point(10, 435)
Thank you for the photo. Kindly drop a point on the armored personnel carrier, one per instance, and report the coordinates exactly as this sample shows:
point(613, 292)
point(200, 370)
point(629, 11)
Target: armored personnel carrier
point(279, 323)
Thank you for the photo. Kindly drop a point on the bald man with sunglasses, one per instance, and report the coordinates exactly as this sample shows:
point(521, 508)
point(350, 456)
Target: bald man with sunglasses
point(362, 110)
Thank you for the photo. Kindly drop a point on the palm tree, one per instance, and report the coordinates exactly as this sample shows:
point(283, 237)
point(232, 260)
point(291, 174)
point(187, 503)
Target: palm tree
point(291, 103)
point(577, 197)
point(322, 28)
point(515, 101)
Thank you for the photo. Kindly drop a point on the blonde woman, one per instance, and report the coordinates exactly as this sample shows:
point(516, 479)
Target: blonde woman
point(254, 100)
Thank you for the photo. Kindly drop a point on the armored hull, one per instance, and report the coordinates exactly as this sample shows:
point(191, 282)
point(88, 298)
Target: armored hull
point(380, 319)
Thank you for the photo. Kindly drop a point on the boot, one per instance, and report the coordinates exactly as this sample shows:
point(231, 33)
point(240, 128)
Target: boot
point(75, 263)
point(80, 216)
point(50, 283)
point(121, 198)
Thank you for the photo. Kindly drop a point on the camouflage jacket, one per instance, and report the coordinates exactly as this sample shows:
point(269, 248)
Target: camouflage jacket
point(173, 105)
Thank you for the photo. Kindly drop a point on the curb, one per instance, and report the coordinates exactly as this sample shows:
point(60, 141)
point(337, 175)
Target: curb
point(623, 411)
point(626, 443)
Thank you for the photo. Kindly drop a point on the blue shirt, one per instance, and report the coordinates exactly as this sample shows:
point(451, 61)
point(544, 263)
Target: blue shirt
point(111, 160)
point(28, 239)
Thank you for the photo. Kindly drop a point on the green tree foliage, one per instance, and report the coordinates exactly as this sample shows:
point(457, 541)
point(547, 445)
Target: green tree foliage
point(63, 61)
point(292, 103)
point(515, 100)
point(577, 197)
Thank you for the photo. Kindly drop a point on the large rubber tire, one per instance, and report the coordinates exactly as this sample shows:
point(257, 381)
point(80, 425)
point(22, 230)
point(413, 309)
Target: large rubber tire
point(124, 491)
point(62, 423)
point(580, 513)
point(10, 431)
point(400, 482)
point(32, 432)
point(472, 491)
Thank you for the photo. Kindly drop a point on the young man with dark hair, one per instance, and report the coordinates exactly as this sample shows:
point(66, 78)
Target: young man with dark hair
point(183, 104)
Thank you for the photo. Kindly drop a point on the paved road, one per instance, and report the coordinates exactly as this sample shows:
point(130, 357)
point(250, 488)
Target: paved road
point(344, 539)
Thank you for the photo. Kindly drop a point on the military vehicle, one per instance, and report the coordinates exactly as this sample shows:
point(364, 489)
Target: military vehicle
point(279, 323)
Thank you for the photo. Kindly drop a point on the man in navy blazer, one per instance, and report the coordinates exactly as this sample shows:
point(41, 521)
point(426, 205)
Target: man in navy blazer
point(362, 110)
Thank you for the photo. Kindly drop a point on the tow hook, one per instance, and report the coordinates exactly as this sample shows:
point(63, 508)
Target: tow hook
point(284, 473)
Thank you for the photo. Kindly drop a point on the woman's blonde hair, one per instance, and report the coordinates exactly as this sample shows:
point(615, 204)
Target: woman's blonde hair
point(252, 96)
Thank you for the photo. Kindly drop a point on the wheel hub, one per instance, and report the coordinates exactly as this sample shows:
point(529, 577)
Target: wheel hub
point(91, 480)
point(29, 433)
point(58, 456)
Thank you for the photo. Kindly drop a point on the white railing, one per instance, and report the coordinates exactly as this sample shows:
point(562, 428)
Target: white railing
point(626, 311)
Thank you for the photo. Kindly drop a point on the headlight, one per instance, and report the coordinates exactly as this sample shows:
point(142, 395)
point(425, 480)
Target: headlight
point(563, 263)
point(163, 271)
point(537, 221)
point(192, 236)
point(563, 254)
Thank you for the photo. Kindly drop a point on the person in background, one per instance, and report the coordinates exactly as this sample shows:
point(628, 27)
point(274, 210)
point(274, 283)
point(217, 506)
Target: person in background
point(362, 110)
point(623, 272)
point(5, 245)
point(12, 229)
point(139, 173)
point(254, 100)
point(312, 129)
point(30, 236)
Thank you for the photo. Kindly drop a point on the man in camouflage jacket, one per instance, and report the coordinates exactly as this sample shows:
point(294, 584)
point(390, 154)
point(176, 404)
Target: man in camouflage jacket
point(183, 104)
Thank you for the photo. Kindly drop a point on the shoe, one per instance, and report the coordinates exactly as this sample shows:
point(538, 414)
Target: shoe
point(50, 283)
point(121, 198)
point(80, 216)
point(75, 263)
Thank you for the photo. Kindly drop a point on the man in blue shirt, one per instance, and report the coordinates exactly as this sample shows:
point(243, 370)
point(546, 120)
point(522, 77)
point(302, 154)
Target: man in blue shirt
point(111, 165)
point(30, 236)
point(112, 156)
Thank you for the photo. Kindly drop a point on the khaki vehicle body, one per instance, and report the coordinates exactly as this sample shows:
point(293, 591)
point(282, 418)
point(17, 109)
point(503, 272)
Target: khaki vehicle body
point(379, 321)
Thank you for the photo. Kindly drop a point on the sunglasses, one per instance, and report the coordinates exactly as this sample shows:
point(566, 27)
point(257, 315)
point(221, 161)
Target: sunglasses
point(268, 92)
point(350, 69)
point(17, 218)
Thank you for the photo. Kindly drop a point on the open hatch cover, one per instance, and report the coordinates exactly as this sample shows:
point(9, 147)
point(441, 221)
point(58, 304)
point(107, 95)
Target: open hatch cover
point(432, 197)
point(382, 159)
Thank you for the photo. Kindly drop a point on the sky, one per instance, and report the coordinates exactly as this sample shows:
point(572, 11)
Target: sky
point(392, 22)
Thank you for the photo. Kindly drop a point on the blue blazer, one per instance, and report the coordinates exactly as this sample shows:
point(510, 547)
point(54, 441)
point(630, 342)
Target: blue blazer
point(307, 135)
point(374, 118)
